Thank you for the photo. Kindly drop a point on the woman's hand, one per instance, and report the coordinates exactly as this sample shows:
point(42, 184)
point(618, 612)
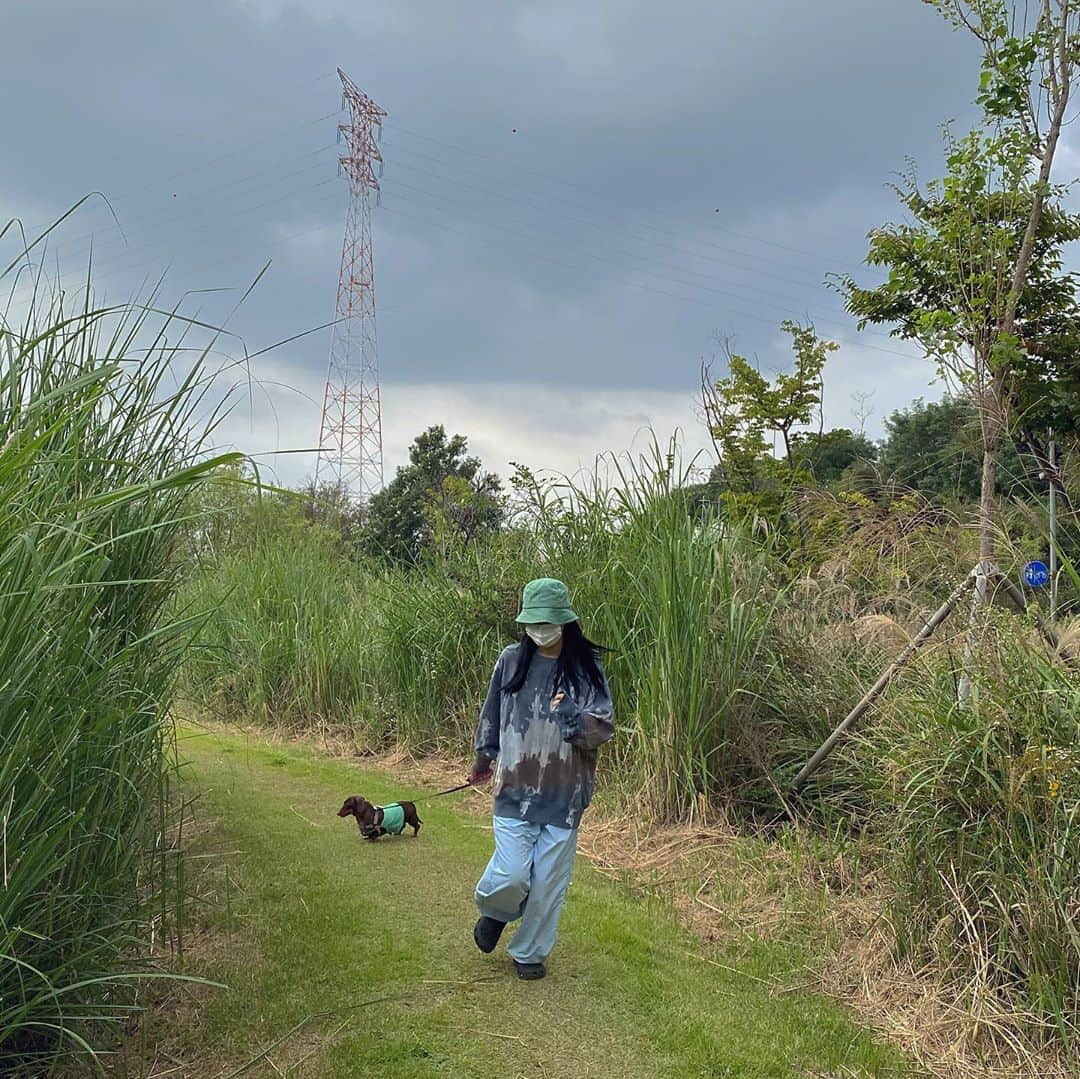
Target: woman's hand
point(568, 714)
point(480, 772)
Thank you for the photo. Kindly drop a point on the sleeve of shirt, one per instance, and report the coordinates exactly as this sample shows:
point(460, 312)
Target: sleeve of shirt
point(592, 724)
point(487, 730)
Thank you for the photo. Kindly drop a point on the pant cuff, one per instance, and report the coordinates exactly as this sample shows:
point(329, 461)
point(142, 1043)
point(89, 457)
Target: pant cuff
point(489, 910)
point(518, 958)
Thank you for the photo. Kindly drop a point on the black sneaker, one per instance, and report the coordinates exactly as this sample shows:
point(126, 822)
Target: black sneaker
point(487, 933)
point(530, 972)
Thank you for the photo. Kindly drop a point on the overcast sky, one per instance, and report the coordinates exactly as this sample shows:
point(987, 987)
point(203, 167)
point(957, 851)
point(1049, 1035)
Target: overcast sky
point(577, 197)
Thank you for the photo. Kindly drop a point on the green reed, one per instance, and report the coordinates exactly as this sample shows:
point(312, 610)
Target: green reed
point(97, 463)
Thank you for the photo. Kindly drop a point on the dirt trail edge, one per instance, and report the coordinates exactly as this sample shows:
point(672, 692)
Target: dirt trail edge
point(308, 925)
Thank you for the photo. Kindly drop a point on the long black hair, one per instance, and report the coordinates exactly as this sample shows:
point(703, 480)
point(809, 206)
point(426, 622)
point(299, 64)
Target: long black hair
point(577, 665)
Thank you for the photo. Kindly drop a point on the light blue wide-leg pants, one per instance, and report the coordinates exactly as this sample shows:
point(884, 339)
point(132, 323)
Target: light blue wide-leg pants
point(527, 878)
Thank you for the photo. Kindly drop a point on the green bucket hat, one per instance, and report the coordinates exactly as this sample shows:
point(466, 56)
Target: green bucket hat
point(546, 600)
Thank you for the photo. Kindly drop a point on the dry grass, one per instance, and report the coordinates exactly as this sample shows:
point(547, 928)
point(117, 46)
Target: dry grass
point(730, 891)
point(1069, 638)
point(879, 631)
point(952, 1029)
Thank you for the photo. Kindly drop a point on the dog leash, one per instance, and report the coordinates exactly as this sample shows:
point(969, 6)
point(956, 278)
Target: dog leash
point(452, 790)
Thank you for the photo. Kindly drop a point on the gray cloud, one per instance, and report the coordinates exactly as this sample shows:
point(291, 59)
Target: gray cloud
point(675, 171)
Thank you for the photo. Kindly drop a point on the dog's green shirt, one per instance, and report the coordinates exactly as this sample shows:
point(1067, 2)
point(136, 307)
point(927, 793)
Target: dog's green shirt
point(393, 818)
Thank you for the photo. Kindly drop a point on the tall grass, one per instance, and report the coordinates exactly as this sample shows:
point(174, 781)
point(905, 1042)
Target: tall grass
point(980, 807)
point(96, 468)
point(285, 642)
point(685, 601)
point(434, 636)
point(404, 655)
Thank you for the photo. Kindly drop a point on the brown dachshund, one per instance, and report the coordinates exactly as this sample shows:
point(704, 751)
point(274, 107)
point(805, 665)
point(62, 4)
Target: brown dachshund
point(374, 821)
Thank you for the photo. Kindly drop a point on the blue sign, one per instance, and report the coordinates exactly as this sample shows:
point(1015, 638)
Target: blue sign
point(1036, 574)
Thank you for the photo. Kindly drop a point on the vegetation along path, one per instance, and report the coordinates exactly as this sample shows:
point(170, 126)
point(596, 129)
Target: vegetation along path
point(320, 923)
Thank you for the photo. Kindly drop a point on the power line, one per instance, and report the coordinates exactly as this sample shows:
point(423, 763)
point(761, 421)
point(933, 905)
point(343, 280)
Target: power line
point(260, 181)
point(743, 298)
point(788, 302)
point(605, 229)
point(247, 110)
point(127, 252)
point(555, 178)
point(500, 194)
point(743, 314)
point(122, 265)
point(602, 230)
point(784, 304)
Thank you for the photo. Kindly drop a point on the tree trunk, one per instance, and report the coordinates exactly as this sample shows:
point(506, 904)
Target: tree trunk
point(1058, 91)
point(988, 491)
point(1061, 74)
point(991, 420)
point(992, 423)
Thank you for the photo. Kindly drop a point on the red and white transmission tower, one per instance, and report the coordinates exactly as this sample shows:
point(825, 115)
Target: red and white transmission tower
point(350, 441)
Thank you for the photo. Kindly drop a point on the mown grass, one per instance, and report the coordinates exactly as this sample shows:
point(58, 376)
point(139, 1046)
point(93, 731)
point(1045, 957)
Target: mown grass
point(322, 922)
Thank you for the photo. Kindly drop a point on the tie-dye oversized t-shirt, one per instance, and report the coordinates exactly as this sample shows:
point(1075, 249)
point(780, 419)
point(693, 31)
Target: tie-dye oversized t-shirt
point(546, 760)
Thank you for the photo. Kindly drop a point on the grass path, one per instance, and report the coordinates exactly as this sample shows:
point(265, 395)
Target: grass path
point(320, 921)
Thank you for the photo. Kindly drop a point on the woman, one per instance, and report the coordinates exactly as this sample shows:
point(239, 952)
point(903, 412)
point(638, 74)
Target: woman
point(547, 710)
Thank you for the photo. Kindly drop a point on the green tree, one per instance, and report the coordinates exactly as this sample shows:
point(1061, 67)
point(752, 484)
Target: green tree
point(460, 510)
point(441, 492)
point(744, 407)
point(975, 277)
point(935, 448)
point(329, 506)
point(828, 455)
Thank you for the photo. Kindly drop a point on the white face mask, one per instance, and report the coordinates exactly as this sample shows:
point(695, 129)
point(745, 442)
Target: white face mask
point(544, 634)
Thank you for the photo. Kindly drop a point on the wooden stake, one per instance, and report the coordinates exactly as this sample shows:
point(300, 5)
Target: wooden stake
point(889, 674)
point(980, 601)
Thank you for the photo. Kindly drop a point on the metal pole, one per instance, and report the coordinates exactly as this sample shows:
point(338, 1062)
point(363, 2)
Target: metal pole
point(1053, 528)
